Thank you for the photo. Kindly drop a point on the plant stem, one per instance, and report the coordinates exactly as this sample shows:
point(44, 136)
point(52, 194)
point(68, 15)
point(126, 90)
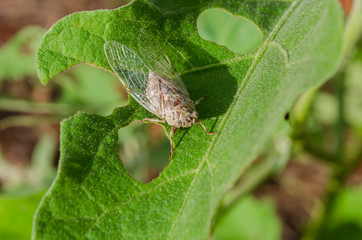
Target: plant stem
point(340, 125)
point(340, 170)
point(27, 121)
point(36, 107)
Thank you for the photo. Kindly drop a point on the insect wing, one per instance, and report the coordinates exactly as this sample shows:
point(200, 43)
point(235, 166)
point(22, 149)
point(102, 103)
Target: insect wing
point(132, 71)
point(153, 54)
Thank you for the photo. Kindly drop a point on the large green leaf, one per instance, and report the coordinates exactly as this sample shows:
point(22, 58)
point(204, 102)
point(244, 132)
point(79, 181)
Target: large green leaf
point(94, 197)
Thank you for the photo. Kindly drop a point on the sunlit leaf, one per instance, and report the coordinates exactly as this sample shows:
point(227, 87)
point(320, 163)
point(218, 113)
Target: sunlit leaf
point(93, 197)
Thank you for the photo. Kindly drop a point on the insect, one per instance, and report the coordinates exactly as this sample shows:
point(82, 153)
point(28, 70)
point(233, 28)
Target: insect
point(152, 81)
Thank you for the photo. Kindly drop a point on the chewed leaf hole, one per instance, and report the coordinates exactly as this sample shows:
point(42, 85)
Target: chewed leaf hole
point(237, 33)
point(144, 150)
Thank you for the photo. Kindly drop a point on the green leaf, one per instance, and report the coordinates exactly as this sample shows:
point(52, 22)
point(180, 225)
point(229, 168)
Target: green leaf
point(262, 222)
point(17, 215)
point(94, 197)
point(345, 219)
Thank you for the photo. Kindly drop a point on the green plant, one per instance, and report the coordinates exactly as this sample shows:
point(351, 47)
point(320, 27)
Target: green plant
point(17, 56)
point(17, 214)
point(23, 185)
point(248, 97)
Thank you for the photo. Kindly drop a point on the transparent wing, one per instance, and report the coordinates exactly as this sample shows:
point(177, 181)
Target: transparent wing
point(155, 57)
point(131, 70)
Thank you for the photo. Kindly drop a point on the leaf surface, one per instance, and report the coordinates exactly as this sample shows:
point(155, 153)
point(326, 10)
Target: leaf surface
point(93, 197)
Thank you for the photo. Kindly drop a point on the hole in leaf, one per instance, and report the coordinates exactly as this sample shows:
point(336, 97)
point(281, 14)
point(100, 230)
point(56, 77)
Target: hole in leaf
point(237, 33)
point(286, 117)
point(144, 150)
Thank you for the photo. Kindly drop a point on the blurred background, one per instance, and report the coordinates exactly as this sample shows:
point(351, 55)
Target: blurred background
point(307, 184)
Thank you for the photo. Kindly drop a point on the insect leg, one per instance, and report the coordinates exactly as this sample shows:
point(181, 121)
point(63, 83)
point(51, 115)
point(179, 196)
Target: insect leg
point(152, 120)
point(198, 101)
point(209, 133)
point(173, 130)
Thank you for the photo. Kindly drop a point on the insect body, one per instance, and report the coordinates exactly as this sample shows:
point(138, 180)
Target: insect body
point(169, 102)
point(153, 82)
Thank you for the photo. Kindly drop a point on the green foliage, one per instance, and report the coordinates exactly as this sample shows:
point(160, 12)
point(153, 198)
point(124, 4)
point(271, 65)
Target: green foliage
point(90, 89)
point(325, 104)
point(17, 215)
point(353, 94)
point(248, 96)
point(249, 219)
point(80, 88)
point(270, 162)
point(36, 177)
point(17, 56)
point(345, 219)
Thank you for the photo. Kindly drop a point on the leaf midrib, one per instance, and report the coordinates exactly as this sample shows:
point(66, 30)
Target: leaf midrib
point(258, 55)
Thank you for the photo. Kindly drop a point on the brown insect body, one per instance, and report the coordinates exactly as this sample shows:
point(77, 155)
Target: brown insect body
point(153, 82)
point(169, 102)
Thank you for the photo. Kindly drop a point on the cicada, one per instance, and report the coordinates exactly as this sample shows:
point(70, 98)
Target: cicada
point(152, 81)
